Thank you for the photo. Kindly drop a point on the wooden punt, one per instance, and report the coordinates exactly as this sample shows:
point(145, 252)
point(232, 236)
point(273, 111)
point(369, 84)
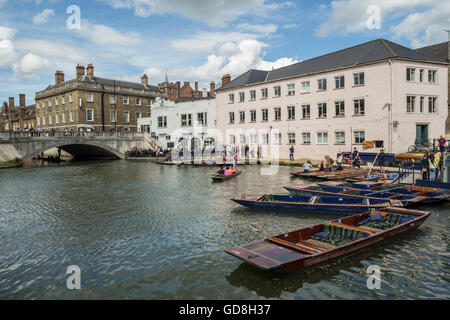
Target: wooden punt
point(315, 204)
point(222, 177)
point(319, 244)
point(432, 184)
point(378, 189)
point(318, 190)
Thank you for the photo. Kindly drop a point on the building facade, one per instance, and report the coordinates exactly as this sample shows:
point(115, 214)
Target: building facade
point(188, 124)
point(377, 94)
point(440, 51)
point(89, 102)
point(17, 118)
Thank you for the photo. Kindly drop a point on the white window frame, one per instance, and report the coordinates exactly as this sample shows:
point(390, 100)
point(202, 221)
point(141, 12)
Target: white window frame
point(359, 79)
point(89, 97)
point(87, 115)
point(410, 104)
point(291, 89)
point(357, 109)
point(322, 135)
point(339, 137)
point(306, 86)
point(126, 119)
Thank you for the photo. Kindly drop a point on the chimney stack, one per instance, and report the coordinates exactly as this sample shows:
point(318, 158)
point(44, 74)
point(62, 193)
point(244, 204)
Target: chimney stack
point(90, 71)
point(59, 77)
point(22, 100)
point(196, 85)
point(11, 104)
point(212, 89)
point(5, 108)
point(79, 71)
point(144, 80)
point(226, 79)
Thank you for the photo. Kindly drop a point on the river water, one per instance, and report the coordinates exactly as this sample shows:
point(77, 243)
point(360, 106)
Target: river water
point(140, 230)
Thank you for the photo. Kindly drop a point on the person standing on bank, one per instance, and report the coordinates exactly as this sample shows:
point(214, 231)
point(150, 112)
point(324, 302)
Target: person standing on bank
point(291, 153)
point(355, 158)
point(381, 160)
point(433, 166)
point(425, 167)
point(442, 142)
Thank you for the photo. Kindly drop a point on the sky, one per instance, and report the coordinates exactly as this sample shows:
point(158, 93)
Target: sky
point(195, 40)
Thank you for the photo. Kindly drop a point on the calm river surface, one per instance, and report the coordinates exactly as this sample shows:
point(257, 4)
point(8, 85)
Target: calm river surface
point(140, 230)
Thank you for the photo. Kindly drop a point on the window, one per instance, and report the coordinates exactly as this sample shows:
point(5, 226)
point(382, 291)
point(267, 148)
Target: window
point(50, 119)
point(38, 120)
point(89, 97)
point(162, 122)
point(49, 103)
point(322, 84)
point(291, 112)
point(89, 115)
point(422, 104)
point(125, 100)
point(322, 110)
point(264, 93)
point(149, 102)
point(359, 137)
point(138, 115)
point(252, 95)
point(231, 98)
point(252, 115)
point(340, 137)
point(306, 111)
point(432, 76)
point(241, 116)
point(56, 101)
point(43, 121)
point(63, 100)
point(138, 101)
point(291, 89)
point(241, 96)
point(322, 137)
point(202, 118)
point(339, 82)
point(112, 99)
point(358, 79)
point(410, 103)
point(231, 117)
point(112, 115)
point(277, 91)
point(265, 114)
point(410, 74)
point(63, 115)
point(277, 114)
point(254, 139)
point(306, 86)
point(340, 108)
point(242, 138)
point(232, 139)
point(71, 116)
point(432, 107)
point(70, 98)
point(359, 107)
point(265, 138)
point(126, 116)
point(56, 118)
point(291, 137)
point(186, 120)
point(277, 138)
point(306, 137)
point(422, 75)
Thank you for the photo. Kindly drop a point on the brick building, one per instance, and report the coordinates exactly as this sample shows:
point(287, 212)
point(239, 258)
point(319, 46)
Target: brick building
point(176, 92)
point(90, 102)
point(17, 118)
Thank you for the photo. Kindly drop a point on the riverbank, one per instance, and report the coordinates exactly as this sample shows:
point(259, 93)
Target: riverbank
point(11, 164)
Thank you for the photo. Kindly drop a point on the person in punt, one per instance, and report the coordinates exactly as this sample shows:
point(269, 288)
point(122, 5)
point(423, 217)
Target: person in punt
point(227, 172)
point(307, 166)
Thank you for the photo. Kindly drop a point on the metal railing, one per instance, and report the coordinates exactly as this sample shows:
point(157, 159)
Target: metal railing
point(25, 134)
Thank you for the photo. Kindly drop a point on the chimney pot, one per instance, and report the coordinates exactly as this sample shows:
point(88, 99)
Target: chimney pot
point(226, 79)
point(90, 71)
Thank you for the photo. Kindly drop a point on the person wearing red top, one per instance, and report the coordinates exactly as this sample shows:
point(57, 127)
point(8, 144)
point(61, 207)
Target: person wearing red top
point(442, 142)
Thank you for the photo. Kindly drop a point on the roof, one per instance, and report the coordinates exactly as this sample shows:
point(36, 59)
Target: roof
point(372, 51)
point(109, 82)
point(439, 51)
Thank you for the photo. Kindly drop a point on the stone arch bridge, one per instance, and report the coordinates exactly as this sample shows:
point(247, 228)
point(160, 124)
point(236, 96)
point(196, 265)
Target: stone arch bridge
point(81, 145)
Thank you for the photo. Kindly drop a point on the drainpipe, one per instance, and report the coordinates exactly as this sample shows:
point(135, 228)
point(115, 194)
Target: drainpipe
point(103, 108)
point(390, 122)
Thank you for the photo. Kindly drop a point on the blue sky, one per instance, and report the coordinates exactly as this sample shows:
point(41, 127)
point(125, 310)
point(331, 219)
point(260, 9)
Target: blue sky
point(195, 40)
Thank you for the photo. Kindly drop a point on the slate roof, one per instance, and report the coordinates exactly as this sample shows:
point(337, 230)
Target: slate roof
point(372, 51)
point(439, 51)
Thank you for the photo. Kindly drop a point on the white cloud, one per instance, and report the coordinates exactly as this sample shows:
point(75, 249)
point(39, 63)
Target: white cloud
point(100, 34)
point(264, 29)
point(347, 16)
point(44, 16)
point(214, 13)
point(7, 49)
point(31, 64)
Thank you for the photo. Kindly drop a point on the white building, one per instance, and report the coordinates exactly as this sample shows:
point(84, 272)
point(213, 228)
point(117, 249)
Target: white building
point(188, 124)
point(378, 92)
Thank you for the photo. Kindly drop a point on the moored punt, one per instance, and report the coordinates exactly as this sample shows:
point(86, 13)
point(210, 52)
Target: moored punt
point(324, 204)
point(433, 184)
point(318, 244)
point(318, 190)
point(377, 189)
point(347, 172)
point(222, 177)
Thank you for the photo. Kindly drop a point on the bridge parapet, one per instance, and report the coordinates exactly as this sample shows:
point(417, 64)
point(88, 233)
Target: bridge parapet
point(32, 134)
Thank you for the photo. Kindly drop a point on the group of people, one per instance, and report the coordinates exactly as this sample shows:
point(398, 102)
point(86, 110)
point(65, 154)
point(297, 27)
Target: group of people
point(142, 152)
point(432, 165)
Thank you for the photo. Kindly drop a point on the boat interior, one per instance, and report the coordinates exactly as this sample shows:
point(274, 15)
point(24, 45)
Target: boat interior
point(330, 235)
point(321, 199)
